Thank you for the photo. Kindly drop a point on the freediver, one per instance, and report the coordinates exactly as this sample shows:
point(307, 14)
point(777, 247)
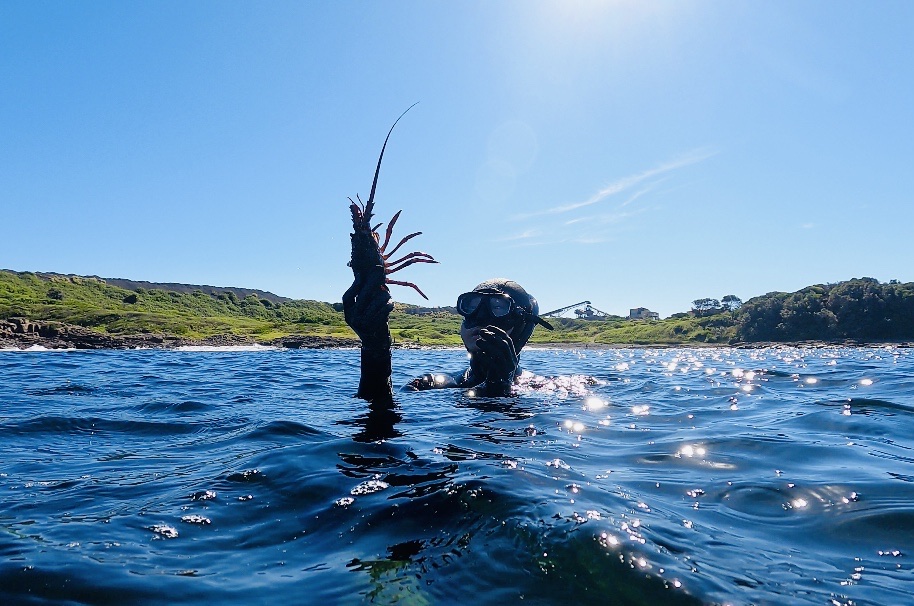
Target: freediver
point(498, 319)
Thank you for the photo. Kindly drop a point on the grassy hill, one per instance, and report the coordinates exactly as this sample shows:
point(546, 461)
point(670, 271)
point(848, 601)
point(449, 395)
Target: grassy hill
point(95, 304)
point(193, 313)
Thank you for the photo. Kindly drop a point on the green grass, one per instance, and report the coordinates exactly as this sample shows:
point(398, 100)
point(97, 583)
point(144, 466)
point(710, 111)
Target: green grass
point(620, 331)
point(91, 303)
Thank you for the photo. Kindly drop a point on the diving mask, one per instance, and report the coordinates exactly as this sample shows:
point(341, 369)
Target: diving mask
point(498, 305)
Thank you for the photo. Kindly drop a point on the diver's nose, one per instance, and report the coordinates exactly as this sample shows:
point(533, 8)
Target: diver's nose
point(482, 317)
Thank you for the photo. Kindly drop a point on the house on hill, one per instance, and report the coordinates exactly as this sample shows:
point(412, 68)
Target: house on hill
point(642, 313)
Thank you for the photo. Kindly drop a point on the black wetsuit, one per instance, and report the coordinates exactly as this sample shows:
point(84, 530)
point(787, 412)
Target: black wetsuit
point(499, 317)
point(467, 380)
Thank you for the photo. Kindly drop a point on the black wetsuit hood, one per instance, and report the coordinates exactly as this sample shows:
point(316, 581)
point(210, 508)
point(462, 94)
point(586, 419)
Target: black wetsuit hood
point(524, 325)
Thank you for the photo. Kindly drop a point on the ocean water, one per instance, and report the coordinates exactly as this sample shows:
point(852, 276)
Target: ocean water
point(622, 476)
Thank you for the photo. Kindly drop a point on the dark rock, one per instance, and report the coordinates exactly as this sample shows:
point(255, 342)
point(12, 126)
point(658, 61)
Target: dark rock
point(313, 342)
point(21, 333)
point(23, 326)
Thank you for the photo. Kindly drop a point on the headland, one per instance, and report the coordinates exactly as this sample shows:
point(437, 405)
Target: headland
point(58, 311)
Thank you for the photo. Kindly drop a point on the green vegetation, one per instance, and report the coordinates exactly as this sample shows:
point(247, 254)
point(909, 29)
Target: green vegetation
point(97, 305)
point(91, 303)
point(862, 309)
point(621, 331)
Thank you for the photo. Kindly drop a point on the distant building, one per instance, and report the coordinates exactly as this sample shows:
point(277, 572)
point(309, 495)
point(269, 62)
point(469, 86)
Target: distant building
point(642, 313)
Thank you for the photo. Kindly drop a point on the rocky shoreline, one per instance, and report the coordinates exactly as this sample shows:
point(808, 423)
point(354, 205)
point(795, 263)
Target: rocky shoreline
point(20, 333)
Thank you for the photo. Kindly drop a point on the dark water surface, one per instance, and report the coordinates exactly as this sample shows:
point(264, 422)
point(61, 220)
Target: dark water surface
point(771, 476)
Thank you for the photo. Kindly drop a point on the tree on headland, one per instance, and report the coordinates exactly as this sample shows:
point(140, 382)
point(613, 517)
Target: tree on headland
point(705, 307)
point(860, 309)
point(710, 307)
point(731, 302)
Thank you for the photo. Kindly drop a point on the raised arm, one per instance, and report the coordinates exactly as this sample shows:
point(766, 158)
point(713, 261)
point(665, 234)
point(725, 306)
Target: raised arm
point(367, 306)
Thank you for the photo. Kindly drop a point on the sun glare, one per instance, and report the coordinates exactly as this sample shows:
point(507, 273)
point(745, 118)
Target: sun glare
point(606, 19)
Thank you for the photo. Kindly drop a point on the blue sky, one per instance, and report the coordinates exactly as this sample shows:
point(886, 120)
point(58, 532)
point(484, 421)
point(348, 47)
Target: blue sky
point(630, 153)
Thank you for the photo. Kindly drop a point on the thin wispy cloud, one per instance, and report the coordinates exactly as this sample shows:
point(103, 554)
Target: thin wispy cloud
point(604, 219)
point(591, 239)
point(625, 183)
point(524, 235)
point(529, 243)
point(595, 225)
point(617, 215)
point(580, 239)
point(642, 191)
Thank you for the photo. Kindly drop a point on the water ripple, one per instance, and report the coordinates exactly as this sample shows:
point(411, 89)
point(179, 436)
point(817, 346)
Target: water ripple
point(622, 476)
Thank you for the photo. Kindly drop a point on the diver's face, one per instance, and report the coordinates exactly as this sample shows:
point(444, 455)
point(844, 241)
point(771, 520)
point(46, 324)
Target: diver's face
point(485, 310)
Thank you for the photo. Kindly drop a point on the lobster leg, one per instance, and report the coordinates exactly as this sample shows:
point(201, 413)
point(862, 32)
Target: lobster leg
point(390, 230)
point(390, 270)
point(410, 284)
point(410, 256)
point(402, 242)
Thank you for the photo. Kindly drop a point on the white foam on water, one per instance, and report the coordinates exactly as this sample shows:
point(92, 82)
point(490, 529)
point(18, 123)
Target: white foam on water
point(227, 348)
point(37, 348)
point(204, 348)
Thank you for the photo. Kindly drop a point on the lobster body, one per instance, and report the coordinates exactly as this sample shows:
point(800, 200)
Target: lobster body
point(366, 254)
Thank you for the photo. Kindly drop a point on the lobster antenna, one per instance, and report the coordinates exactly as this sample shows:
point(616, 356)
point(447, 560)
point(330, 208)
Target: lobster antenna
point(374, 184)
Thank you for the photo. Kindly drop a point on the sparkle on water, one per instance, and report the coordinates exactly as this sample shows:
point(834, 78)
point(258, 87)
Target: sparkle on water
point(629, 476)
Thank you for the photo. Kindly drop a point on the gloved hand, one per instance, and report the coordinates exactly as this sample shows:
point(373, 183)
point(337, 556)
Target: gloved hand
point(366, 307)
point(496, 352)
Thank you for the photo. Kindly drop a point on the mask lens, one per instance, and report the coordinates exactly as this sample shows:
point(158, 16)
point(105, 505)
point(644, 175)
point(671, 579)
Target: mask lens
point(499, 306)
point(468, 303)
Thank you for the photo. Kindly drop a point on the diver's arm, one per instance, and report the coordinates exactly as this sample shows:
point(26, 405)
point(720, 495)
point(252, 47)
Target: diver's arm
point(485, 388)
point(374, 381)
point(367, 306)
point(431, 381)
point(491, 373)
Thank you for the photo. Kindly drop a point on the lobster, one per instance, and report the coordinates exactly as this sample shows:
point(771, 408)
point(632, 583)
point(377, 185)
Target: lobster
point(368, 252)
